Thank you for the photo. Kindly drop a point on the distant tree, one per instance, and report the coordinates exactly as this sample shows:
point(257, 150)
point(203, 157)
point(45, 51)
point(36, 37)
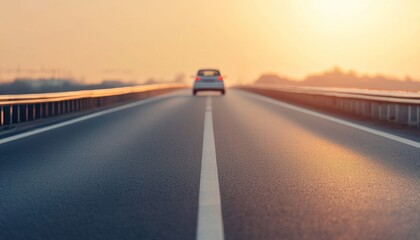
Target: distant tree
point(336, 77)
point(151, 81)
point(180, 78)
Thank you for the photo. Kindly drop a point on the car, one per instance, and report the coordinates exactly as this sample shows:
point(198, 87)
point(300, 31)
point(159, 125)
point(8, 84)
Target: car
point(209, 80)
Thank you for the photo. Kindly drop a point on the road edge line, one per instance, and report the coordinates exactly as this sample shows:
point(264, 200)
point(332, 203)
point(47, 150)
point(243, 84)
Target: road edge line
point(334, 119)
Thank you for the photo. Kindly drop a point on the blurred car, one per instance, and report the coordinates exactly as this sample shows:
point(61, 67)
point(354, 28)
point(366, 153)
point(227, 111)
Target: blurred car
point(208, 80)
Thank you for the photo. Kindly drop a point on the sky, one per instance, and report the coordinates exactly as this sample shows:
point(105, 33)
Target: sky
point(139, 39)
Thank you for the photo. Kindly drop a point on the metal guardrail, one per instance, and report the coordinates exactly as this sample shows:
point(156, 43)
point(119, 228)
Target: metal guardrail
point(15, 109)
point(397, 107)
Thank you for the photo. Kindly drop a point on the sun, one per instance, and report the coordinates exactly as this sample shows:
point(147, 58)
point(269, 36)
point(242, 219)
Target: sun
point(340, 9)
point(337, 15)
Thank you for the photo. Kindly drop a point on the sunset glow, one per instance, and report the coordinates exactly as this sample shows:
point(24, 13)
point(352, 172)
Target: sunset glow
point(340, 9)
point(137, 40)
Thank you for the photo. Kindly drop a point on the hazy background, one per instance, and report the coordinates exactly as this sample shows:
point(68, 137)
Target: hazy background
point(145, 40)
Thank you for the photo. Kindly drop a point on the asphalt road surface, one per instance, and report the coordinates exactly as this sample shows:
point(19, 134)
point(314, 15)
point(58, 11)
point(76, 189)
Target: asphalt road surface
point(208, 167)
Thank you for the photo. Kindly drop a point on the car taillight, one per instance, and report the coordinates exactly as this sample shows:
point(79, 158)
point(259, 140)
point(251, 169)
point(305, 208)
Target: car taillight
point(220, 78)
point(197, 79)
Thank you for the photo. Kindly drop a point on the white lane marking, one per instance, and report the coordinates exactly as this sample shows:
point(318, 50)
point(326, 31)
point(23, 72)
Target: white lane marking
point(83, 118)
point(336, 120)
point(208, 104)
point(210, 221)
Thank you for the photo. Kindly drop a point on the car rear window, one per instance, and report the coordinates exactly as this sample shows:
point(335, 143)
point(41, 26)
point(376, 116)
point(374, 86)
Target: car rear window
point(208, 73)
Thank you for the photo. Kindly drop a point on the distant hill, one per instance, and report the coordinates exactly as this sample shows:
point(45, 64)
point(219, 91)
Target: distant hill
point(50, 85)
point(25, 86)
point(342, 79)
point(275, 79)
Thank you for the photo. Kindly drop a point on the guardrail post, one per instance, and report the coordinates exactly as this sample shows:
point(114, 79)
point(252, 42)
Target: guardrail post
point(1, 116)
point(383, 109)
point(27, 113)
point(18, 113)
point(409, 116)
point(414, 119)
point(354, 106)
point(358, 106)
point(372, 110)
point(418, 116)
point(402, 114)
point(22, 113)
point(388, 112)
point(365, 108)
point(33, 111)
point(10, 115)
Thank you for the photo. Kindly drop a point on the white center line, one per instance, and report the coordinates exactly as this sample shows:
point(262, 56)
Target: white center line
point(210, 221)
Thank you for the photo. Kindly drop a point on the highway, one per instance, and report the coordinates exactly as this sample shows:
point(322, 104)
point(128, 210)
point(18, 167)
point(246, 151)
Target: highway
point(208, 167)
